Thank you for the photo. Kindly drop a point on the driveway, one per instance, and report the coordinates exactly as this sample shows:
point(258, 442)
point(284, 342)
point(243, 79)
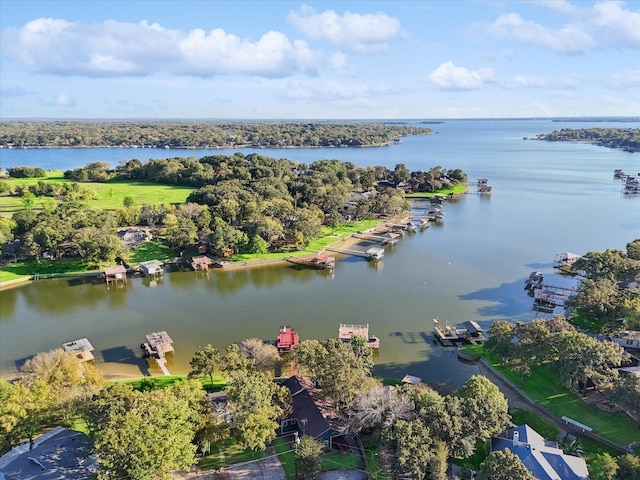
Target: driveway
point(268, 468)
point(343, 475)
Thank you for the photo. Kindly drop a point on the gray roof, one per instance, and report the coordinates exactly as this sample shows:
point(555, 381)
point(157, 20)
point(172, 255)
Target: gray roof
point(60, 454)
point(541, 457)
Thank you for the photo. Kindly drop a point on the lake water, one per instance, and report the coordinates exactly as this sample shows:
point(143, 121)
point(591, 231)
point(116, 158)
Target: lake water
point(547, 198)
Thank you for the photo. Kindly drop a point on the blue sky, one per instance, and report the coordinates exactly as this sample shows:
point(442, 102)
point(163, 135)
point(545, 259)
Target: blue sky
point(319, 60)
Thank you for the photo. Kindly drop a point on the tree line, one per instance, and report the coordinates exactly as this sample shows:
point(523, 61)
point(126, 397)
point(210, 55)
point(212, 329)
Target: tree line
point(625, 138)
point(243, 203)
point(201, 134)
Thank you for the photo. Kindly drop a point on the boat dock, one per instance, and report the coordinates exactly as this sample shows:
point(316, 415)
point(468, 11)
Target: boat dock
point(548, 297)
point(372, 253)
point(448, 335)
point(323, 262)
point(82, 348)
point(385, 239)
point(346, 331)
point(157, 346)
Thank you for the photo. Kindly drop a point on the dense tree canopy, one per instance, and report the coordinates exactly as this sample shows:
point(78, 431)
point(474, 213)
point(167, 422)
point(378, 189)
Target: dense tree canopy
point(146, 435)
point(202, 134)
point(503, 465)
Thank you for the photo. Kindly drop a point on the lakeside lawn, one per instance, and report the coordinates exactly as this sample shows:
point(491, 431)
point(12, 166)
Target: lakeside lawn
point(544, 387)
point(456, 190)
point(108, 195)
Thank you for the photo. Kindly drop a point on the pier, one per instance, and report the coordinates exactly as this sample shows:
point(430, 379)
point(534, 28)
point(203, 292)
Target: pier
point(448, 335)
point(157, 346)
point(82, 348)
point(322, 262)
point(346, 331)
point(385, 239)
point(372, 253)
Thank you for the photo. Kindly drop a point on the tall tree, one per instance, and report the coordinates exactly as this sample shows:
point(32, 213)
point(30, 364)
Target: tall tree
point(412, 443)
point(503, 465)
point(308, 458)
point(145, 435)
point(257, 403)
point(205, 361)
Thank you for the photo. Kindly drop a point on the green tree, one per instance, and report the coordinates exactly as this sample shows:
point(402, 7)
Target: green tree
point(257, 404)
point(603, 467)
point(626, 392)
point(503, 465)
point(308, 458)
point(412, 444)
point(628, 467)
point(128, 201)
point(205, 361)
point(438, 465)
point(486, 410)
point(145, 435)
point(24, 411)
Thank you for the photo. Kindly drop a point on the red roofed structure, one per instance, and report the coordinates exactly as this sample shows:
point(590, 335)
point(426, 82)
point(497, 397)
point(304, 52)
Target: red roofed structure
point(287, 339)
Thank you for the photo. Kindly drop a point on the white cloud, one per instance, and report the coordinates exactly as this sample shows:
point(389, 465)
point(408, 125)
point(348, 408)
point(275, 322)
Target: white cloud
point(448, 76)
point(629, 78)
point(332, 91)
point(114, 48)
point(529, 82)
point(568, 39)
point(368, 33)
point(617, 25)
point(62, 99)
point(339, 63)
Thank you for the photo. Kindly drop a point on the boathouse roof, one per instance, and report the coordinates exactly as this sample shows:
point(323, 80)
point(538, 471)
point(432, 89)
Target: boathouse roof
point(472, 327)
point(112, 271)
point(157, 339)
point(82, 347)
point(287, 338)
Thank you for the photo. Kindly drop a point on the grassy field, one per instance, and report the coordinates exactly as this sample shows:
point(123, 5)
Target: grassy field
point(108, 195)
point(544, 386)
point(230, 454)
point(456, 190)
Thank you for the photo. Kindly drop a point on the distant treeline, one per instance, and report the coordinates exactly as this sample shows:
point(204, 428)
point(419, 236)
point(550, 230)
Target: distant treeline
point(200, 134)
point(625, 138)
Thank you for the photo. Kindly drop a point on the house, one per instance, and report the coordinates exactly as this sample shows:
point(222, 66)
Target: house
point(134, 236)
point(542, 457)
point(59, 453)
point(628, 339)
point(309, 415)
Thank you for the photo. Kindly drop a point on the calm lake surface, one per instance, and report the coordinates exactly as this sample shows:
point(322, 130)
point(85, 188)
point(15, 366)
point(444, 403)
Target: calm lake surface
point(547, 198)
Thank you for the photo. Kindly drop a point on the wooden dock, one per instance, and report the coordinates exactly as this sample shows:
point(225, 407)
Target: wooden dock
point(385, 239)
point(157, 346)
point(370, 254)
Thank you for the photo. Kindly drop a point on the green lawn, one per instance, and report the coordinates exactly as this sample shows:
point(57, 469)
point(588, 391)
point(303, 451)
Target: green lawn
point(457, 189)
point(230, 454)
point(338, 461)
point(373, 463)
point(151, 250)
point(12, 271)
point(287, 457)
point(544, 386)
point(108, 195)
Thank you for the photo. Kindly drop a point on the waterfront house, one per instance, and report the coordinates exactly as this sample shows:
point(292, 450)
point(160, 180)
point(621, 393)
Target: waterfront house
point(134, 236)
point(542, 457)
point(309, 415)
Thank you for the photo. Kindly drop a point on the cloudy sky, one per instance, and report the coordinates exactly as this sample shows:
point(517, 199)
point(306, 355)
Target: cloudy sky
point(319, 60)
